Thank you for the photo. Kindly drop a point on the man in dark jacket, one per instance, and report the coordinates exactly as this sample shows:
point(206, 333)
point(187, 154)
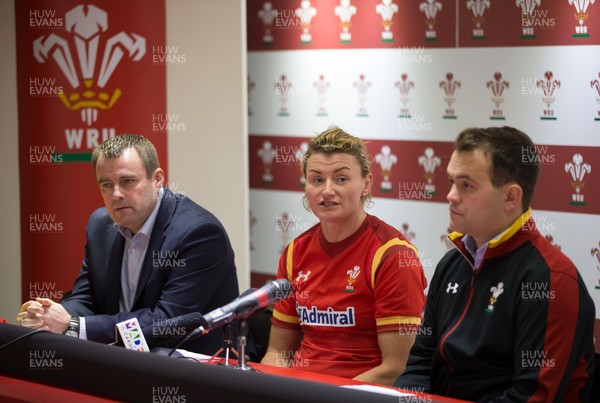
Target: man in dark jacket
point(150, 254)
point(508, 317)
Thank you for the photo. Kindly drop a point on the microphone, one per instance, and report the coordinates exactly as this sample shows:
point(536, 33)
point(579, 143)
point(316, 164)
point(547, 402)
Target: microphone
point(244, 306)
point(129, 334)
point(165, 330)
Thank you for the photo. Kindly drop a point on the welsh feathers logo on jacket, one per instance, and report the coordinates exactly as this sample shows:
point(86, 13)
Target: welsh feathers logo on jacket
point(496, 292)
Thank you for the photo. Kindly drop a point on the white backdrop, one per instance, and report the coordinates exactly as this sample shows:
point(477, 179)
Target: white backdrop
point(286, 74)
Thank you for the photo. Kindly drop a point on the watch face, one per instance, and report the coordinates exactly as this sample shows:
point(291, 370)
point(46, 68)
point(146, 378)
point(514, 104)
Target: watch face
point(71, 333)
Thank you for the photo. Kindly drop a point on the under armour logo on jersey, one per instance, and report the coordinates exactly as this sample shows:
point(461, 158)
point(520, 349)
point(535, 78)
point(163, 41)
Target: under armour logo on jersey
point(452, 287)
point(302, 276)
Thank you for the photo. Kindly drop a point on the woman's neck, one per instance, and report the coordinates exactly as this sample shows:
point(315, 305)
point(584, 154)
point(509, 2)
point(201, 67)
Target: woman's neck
point(338, 231)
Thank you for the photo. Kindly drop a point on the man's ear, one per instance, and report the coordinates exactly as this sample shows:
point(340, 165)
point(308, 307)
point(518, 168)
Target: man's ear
point(159, 176)
point(513, 197)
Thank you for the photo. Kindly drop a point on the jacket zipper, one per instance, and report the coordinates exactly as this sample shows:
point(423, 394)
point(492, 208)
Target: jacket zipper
point(462, 316)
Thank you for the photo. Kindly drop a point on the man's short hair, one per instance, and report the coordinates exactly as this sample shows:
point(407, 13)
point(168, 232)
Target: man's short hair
point(513, 156)
point(114, 147)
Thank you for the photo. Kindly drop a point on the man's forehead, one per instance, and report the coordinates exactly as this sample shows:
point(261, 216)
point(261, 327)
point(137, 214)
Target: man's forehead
point(121, 167)
point(469, 163)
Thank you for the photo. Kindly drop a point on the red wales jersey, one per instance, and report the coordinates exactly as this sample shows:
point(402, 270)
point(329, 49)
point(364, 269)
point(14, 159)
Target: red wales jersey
point(347, 292)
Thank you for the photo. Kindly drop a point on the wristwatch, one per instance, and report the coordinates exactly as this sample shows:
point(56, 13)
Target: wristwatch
point(73, 328)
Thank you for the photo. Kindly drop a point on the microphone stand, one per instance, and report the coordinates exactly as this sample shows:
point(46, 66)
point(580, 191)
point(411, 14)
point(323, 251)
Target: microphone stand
point(243, 330)
point(228, 346)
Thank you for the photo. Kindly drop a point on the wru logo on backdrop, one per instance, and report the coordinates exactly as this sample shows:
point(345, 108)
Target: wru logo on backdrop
point(86, 30)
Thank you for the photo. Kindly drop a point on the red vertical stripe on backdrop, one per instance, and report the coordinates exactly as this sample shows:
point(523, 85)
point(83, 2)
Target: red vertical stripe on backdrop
point(85, 73)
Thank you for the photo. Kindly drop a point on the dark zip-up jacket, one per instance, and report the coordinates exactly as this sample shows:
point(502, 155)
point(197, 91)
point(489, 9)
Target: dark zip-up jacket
point(517, 329)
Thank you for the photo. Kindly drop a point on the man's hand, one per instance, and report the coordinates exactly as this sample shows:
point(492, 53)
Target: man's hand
point(44, 314)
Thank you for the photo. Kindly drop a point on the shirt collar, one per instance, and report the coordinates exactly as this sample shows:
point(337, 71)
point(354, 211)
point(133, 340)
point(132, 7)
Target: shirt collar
point(469, 242)
point(477, 255)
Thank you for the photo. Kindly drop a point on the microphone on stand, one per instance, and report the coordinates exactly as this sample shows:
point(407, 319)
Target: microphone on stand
point(165, 330)
point(242, 307)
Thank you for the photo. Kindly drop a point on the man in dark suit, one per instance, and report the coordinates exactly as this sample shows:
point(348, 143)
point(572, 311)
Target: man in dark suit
point(150, 254)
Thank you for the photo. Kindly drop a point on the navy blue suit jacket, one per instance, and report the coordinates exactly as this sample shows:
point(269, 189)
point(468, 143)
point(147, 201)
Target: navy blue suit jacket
point(188, 267)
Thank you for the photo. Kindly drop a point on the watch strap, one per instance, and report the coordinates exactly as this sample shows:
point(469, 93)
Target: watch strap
point(73, 327)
